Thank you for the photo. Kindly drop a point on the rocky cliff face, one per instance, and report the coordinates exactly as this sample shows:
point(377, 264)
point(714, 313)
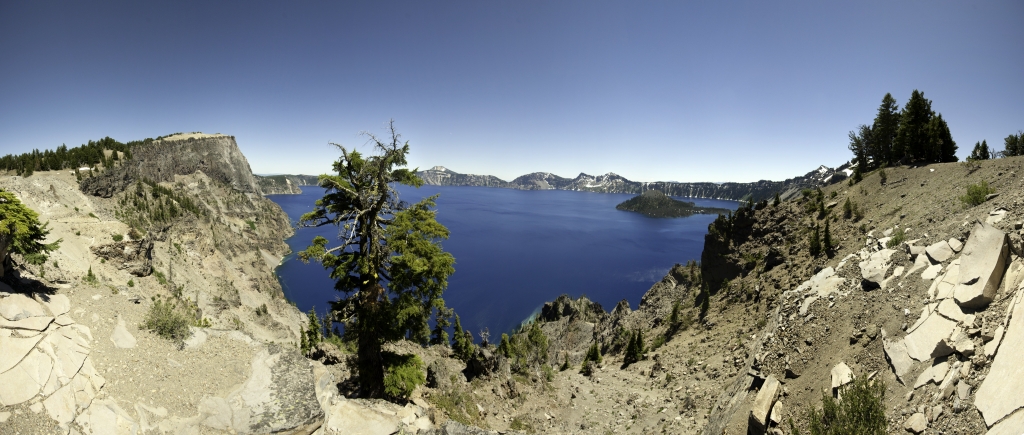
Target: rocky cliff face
point(217, 156)
point(284, 184)
point(614, 183)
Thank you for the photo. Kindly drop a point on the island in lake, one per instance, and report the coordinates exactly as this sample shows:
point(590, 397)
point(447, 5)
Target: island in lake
point(655, 203)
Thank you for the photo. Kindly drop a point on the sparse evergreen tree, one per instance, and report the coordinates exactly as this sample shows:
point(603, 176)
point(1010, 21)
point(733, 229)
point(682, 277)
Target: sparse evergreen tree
point(21, 233)
point(815, 242)
point(882, 133)
point(594, 353)
point(635, 349)
point(565, 365)
point(1014, 145)
point(463, 346)
point(980, 151)
point(942, 143)
point(441, 322)
point(847, 209)
point(860, 144)
point(505, 347)
point(390, 264)
point(826, 239)
point(777, 201)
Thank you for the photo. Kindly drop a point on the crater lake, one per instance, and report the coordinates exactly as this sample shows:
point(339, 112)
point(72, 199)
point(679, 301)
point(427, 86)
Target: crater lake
point(517, 249)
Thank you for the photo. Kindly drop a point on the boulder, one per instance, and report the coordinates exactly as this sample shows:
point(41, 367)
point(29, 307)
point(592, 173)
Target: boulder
point(279, 396)
point(440, 374)
point(981, 266)
point(348, 417)
point(931, 272)
point(1002, 391)
point(955, 244)
point(899, 359)
point(841, 375)
point(874, 268)
point(916, 424)
point(939, 252)
point(762, 407)
point(928, 340)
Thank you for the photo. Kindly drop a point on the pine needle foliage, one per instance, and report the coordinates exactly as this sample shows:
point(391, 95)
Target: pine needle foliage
point(21, 233)
point(389, 263)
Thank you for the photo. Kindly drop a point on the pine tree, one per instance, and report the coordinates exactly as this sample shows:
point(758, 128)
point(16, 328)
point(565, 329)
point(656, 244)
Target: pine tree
point(1014, 145)
point(980, 151)
point(883, 133)
point(776, 201)
point(463, 346)
point(389, 264)
point(826, 239)
point(860, 145)
point(912, 139)
point(942, 143)
point(815, 242)
point(21, 233)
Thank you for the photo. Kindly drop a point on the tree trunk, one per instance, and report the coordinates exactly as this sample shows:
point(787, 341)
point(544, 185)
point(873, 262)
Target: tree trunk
point(370, 360)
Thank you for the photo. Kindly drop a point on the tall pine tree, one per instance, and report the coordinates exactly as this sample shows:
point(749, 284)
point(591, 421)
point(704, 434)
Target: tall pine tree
point(883, 133)
point(912, 138)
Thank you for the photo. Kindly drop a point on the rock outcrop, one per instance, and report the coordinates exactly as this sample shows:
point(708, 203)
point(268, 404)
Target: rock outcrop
point(133, 256)
point(217, 156)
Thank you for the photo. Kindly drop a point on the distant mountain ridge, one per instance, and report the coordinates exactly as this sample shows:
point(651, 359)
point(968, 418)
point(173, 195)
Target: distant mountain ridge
point(285, 183)
point(614, 183)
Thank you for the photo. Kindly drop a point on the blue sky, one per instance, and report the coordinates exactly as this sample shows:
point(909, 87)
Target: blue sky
point(686, 91)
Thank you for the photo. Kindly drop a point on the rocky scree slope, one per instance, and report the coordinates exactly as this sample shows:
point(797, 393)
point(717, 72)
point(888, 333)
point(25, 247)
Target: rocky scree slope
point(613, 183)
point(783, 326)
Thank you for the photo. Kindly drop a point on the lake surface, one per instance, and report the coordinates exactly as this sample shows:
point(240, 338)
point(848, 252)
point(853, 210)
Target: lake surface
point(515, 250)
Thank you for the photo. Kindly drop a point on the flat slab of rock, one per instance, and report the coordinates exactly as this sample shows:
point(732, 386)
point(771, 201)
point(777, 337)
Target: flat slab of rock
point(14, 350)
point(348, 418)
point(121, 337)
point(939, 252)
point(981, 266)
point(873, 269)
point(931, 272)
point(898, 357)
point(928, 340)
point(1002, 392)
point(18, 306)
point(762, 407)
point(955, 244)
point(1010, 426)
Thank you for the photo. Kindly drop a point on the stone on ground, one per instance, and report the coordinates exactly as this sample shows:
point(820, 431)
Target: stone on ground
point(762, 407)
point(981, 266)
point(121, 337)
point(874, 268)
point(928, 340)
point(841, 375)
point(931, 272)
point(1002, 391)
point(917, 423)
point(1010, 426)
point(955, 244)
point(939, 252)
point(14, 350)
point(899, 359)
point(348, 418)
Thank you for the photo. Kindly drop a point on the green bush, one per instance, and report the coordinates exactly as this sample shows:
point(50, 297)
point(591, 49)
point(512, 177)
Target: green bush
point(131, 283)
point(402, 374)
point(90, 278)
point(882, 177)
point(166, 320)
point(636, 348)
point(117, 237)
point(861, 412)
point(160, 277)
point(521, 425)
point(976, 194)
point(896, 239)
point(594, 353)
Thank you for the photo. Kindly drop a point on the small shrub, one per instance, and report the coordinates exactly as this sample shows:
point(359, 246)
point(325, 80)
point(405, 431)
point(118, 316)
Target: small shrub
point(521, 425)
point(160, 278)
point(833, 194)
point(90, 278)
point(78, 233)
point(134, 234)
point(131, 283)
point(117, 237)
point(459, 406)
point(861, 412)
point(549, 373)
point(658, 342)
point(594, 353)
point(586, 369)
point(166, 320)
point(897, 238)
point(976, 194)
point(251, 224)
point(402, 374)
point(261, 310)
point(882, 177)
point(92, 215)
point(565, 365)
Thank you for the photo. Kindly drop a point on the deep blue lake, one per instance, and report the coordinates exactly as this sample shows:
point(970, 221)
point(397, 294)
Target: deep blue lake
point(516, 249)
